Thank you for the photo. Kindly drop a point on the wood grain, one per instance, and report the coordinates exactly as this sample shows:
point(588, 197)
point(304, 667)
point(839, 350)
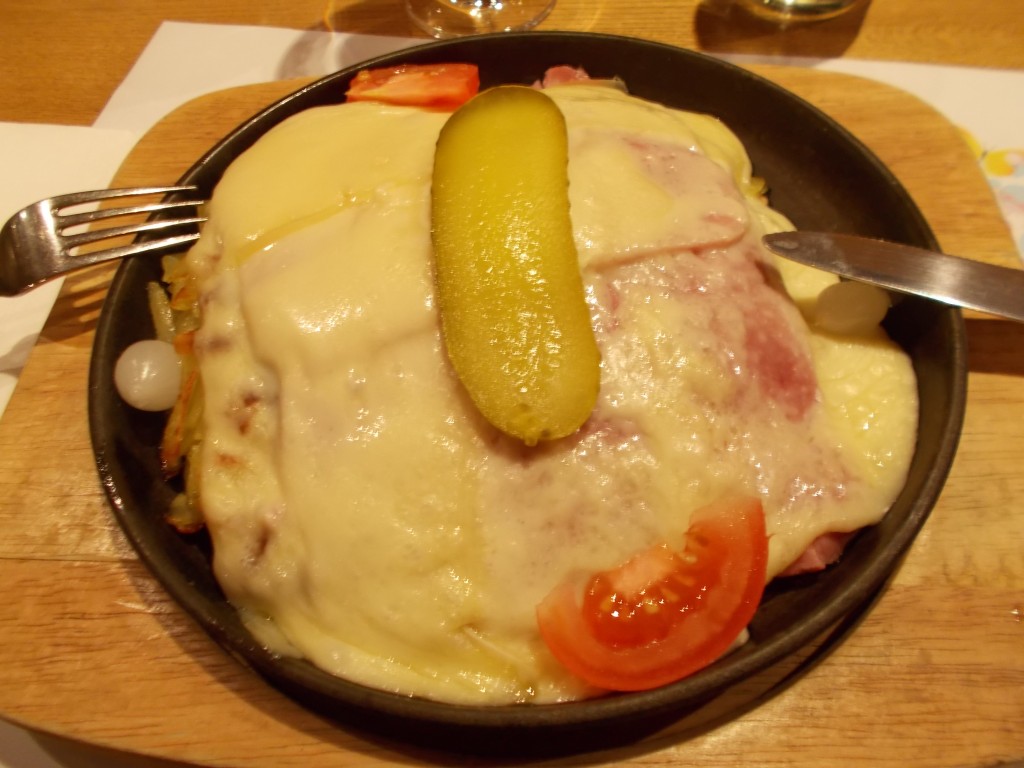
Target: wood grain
point(934, 675)
point(60, 62)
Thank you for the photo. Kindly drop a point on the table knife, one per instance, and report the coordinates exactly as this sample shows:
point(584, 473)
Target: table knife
point(939, 276)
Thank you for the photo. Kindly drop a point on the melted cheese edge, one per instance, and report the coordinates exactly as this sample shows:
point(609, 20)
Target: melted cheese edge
point(364, 516)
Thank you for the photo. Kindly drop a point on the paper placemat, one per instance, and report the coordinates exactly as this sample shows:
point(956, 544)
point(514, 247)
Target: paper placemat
point(40, 161)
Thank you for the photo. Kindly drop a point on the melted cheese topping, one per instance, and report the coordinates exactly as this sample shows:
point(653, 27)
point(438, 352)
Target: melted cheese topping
point(366, 517)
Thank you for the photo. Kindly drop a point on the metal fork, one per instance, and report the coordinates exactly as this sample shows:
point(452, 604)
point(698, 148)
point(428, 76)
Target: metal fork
point(34, 247)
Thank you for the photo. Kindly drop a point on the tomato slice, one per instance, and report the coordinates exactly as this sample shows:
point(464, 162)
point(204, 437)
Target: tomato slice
point(663, 614)
point(444, 86)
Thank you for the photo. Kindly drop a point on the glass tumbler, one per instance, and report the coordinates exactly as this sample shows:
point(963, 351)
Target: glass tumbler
point(797, 10)
point(454, 18)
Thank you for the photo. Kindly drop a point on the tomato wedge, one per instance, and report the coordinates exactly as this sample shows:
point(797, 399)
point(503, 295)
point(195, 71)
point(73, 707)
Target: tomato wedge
point(444, 86)
point(663, 614)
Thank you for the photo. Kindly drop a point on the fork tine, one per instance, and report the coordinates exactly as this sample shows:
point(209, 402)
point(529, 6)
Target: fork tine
point(87, 217)
point(92, 236)
point(34, 247)
point(134, 249)
point(92, 196)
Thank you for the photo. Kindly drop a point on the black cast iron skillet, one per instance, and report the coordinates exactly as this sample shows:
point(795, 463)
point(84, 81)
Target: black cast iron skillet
point(818, 174)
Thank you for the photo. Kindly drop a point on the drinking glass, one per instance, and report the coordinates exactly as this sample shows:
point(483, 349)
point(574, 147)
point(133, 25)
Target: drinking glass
point(453, 18)
point(796, 10)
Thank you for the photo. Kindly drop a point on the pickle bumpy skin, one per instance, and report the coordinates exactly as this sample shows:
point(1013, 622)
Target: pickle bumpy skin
point(515, 320)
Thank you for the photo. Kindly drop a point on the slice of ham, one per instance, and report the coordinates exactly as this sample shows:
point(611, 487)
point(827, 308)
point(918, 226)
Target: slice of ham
point(702, 240)
point(562, 75)
point(823, 552)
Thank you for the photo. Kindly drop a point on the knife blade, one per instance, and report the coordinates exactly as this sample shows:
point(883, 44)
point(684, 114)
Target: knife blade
point(949, 279)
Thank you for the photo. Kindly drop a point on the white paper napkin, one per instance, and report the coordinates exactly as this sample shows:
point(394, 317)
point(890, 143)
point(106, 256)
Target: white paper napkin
point(986, 104)
point(184, 61)
point(41, 161)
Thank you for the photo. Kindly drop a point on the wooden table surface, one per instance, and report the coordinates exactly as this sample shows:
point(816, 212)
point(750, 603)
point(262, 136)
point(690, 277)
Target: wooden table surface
point(92, 649)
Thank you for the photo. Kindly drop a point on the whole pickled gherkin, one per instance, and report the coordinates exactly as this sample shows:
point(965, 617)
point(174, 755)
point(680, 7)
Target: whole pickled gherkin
point(514, 316)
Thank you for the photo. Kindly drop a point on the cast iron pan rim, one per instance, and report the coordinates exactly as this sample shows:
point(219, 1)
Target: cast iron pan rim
point(298, 675)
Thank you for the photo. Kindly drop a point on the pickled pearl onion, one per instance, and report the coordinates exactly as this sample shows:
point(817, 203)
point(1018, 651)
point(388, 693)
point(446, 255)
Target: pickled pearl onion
point(850, 308)
point(148, 375)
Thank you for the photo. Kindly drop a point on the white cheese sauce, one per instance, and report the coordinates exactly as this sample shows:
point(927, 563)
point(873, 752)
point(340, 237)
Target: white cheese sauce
point(365, 516)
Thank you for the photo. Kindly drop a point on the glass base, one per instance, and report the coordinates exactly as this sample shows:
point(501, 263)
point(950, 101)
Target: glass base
point(454, 18)
point(795, 10)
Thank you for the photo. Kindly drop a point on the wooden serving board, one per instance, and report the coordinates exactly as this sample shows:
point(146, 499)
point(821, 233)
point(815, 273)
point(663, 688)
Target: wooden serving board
point(92, 649)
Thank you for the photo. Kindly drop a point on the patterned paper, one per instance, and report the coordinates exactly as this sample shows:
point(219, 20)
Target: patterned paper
point(1004, 169)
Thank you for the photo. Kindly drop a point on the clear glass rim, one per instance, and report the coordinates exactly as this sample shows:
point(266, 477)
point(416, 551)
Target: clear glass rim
point(456, 18)
point(800, 9)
